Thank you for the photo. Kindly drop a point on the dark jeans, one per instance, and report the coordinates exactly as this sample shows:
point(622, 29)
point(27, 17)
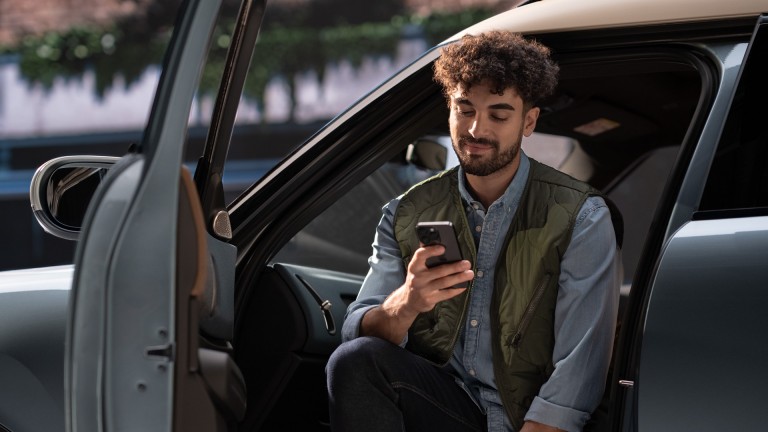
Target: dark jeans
point(374, 385)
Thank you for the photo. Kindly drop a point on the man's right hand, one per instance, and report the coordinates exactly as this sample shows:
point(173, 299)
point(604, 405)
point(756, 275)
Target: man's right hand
point(423, 288)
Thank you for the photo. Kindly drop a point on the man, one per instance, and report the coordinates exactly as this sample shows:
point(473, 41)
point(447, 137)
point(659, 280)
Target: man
point(526, 346)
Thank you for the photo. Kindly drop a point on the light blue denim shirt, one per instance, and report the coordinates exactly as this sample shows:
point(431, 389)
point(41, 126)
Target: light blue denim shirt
point(585, 313)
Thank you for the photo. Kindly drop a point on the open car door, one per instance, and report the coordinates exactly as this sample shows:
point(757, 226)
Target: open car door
point(151, 305)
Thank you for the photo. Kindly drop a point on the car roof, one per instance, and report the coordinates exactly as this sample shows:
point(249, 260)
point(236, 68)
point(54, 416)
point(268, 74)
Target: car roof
point(570, 15)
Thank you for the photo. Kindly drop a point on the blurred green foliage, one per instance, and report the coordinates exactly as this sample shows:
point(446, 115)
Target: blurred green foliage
point(68, 55)
point(293, 41)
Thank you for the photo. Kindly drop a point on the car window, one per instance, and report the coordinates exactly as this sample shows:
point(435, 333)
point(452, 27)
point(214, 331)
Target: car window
point(340, 238)
point(738, 178)
point(310, 65)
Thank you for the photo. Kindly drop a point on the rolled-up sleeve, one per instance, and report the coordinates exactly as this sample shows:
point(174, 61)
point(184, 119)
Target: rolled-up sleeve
point(386, 273)
point(585, 322)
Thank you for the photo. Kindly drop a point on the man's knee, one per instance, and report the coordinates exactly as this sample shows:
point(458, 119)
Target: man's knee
point(357, 359)
point(357, 353)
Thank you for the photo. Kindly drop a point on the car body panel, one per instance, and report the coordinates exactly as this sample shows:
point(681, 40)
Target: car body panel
point(701, 367)
point(37, 279)
point(33, 316)
point(564, 15)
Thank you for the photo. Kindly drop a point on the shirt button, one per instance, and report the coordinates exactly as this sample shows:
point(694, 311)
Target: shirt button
point(478, 228)
point(472, 372)
point(473, 323)
point(475, 206)
point(479, 273)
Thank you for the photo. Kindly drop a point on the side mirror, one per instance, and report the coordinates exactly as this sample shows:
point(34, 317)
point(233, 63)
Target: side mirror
point(61, 190)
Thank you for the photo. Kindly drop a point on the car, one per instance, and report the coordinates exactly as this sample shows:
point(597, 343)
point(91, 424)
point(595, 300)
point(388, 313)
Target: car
point(186, 312)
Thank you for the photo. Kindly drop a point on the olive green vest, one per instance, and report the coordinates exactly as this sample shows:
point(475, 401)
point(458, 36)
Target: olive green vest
point(526, 282)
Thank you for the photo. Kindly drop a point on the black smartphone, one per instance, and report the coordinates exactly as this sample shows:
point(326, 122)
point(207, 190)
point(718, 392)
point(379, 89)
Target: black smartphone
point(439, 232)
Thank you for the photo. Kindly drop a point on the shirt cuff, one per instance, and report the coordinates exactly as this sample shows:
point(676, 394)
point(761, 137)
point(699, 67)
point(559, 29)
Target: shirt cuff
point(351, 328)
point(561, 417)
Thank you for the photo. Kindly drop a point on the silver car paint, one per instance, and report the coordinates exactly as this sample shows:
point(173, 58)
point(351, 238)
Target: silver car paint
point(33, 314)
point(702, 366)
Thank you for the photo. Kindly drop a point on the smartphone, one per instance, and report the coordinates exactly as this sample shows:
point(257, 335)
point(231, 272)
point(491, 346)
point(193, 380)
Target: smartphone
point(439, 232)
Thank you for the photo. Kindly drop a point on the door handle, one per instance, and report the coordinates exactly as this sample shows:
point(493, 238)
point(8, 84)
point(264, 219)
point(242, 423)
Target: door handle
point(325, 306)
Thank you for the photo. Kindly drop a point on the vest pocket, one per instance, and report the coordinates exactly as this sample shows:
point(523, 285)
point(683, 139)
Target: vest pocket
point(427, 322)
point(428, 339)
point(515, 339)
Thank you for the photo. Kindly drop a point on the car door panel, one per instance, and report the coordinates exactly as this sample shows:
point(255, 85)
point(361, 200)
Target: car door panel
point(126, 347)
point(291, 338)
point(703, 341)
point(86, 338)
point(323, 296)
point(218, 320)
point(209, 391)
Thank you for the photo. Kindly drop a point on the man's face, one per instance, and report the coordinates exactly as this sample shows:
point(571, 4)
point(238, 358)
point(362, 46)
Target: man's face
point(487, 129)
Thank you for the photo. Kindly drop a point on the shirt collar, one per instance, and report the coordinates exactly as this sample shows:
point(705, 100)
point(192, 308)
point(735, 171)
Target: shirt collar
point(514, 191)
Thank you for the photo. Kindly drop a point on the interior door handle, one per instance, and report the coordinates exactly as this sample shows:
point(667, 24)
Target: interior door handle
point(325, 306)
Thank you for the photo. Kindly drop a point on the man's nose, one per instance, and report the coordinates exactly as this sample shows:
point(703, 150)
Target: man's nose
point(477, 127)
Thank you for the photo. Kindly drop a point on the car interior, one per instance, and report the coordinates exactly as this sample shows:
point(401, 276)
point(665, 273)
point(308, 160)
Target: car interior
point(616, 121)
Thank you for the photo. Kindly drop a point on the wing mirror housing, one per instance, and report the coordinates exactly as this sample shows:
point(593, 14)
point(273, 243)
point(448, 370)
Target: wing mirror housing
point(61, 190)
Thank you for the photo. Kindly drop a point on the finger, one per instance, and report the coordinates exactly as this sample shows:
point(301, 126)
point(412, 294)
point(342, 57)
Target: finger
point(424, 252)
point(452, 281)
point(444, 270)
point(423, 278)
point(425, 293)
point(449, 293)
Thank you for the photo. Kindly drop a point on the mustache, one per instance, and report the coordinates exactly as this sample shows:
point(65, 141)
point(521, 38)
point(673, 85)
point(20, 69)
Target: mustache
point(468, 140)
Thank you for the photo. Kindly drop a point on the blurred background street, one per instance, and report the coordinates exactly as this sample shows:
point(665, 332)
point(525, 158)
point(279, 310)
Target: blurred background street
point(79, 76)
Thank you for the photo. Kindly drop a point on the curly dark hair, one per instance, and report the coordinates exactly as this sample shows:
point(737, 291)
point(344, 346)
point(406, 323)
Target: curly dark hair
point(502, 59)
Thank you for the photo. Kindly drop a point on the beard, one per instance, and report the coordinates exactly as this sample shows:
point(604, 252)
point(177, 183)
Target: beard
point(485, 165)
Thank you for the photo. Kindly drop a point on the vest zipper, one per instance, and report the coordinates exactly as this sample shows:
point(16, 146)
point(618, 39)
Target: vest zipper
point(528, 316)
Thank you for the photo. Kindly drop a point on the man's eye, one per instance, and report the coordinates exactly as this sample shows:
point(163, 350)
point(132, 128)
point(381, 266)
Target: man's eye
point(499, 119)
point(467, 113)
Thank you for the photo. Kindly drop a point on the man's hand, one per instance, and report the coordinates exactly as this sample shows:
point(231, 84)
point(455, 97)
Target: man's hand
point(423, 288)
point(531, 426)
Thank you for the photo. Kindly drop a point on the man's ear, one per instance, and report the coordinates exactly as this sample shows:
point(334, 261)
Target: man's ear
point(529, 120)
